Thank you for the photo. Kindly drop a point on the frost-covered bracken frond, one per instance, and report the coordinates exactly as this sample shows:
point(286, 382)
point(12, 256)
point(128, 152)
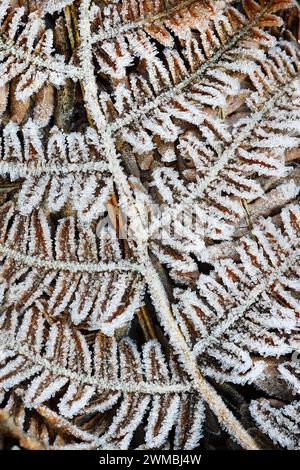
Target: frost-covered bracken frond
point(221, 161)
point(290, 372)
point(89, 283)
point(67, 168)
point(149, 223)
point(279, 421)
point(93, 379)
point(247, 306)
point(27, 56)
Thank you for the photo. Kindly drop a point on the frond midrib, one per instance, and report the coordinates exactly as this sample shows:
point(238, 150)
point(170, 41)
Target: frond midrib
point(142, 387)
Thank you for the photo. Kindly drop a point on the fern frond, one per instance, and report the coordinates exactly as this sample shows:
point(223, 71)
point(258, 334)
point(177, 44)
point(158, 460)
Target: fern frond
point(26, 424)
point(230, 29)
point(224, 173)
point(27, 56)
point(95, 383)
point(222, 319)
point(69, 281)
point(290, 372)
point(279, 421)
point(149, 176)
